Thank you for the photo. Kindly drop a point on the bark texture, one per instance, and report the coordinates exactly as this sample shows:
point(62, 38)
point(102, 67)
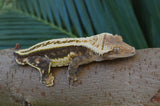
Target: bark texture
point(129, 81)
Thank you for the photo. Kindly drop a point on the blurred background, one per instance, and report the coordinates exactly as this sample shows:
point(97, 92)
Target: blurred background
point(28, 22)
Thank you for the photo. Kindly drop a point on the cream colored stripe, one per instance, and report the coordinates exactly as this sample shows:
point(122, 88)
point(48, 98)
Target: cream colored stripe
point(83, 42)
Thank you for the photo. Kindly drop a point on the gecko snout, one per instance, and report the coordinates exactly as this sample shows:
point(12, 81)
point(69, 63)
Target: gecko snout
point(133, 51)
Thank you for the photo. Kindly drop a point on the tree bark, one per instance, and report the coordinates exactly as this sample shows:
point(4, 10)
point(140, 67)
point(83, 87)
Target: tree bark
point(128, 81)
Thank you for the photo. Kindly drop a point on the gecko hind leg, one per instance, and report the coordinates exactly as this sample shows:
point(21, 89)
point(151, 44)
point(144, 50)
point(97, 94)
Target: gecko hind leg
point(43, 65)
point(73, 67)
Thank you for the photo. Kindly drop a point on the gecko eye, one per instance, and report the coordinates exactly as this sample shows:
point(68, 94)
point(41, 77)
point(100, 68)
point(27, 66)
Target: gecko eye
point(116, 50)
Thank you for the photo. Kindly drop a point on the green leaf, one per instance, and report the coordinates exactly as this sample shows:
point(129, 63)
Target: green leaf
point(18, 28)
point(149, 19)
point(84, 17)
point(38, 20)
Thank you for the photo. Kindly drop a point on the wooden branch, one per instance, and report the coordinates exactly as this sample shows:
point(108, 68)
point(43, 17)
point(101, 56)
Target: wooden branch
point(129, 81)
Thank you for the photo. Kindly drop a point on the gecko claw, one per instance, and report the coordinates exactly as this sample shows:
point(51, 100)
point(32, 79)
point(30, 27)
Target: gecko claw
point(72, 80)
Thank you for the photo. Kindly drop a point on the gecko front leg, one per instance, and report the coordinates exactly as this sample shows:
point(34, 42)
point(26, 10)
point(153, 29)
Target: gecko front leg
point(43, 64)
point(74, 64)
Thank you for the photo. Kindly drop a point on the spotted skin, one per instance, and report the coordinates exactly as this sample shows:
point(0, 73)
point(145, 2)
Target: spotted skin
point(43, 65)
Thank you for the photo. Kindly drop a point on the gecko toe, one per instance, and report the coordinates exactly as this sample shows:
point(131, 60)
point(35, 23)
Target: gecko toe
point(48, 81)
point(72, 80)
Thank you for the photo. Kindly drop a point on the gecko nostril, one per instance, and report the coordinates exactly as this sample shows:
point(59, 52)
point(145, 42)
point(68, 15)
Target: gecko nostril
point(133, 51)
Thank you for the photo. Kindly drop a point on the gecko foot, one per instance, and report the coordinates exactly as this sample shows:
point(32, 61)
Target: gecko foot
point(48, 81)
point(72, 79)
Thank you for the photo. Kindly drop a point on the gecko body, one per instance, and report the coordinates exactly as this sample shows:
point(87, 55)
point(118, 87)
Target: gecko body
point(72, 52)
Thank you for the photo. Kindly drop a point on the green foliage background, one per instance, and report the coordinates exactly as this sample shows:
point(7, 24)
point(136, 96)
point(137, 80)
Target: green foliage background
point(30, 21)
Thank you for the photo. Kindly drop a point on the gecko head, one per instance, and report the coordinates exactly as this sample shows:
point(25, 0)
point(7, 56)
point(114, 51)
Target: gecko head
point(117, 48)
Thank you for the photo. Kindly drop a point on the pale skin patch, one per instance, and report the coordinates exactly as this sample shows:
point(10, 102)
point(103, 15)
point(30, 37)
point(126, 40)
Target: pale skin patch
point(19, 62)
point(42, 72)
point(37, 61)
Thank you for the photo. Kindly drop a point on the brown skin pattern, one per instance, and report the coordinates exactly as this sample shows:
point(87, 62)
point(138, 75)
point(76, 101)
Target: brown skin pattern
point(41, 61)
point(73, 53)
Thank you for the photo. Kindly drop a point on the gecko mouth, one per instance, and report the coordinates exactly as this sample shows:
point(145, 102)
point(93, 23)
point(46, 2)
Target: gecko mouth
point(112, 55)
point(121, 55)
